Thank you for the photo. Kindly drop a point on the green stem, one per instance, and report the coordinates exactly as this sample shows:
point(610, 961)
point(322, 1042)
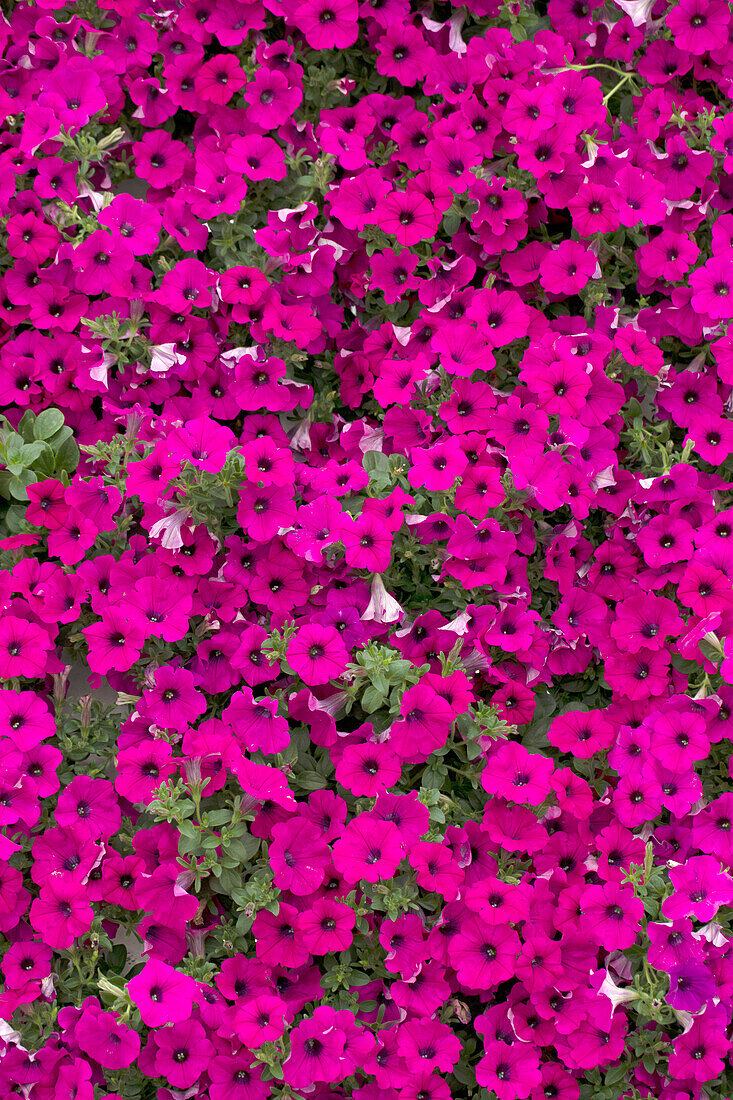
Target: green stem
point(595, 65)
point(616, 87)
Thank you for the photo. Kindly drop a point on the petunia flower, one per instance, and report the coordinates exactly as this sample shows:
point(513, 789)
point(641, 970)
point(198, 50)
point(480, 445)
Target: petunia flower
point(317, 654)
point(161, 994)
point(369, 848)
point(61, 913)
point(180, 1052)
point(326, 926)
point(298, 857)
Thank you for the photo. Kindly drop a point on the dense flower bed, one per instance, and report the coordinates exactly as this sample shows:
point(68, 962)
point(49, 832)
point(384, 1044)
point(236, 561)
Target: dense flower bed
point(367, 602)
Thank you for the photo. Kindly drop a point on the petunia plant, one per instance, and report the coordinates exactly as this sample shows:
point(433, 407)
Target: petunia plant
point(366, 505)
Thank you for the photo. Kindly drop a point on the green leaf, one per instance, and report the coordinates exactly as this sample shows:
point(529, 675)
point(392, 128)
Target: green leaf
point(216, 818)
point(243, 849)
point(13, 450)
point(188, 844)
point(18, 484)
point(434, 777)
point(372, 700)
point(45, 464)
point(26, 425)
point(14, 518)
point(48, 423)
point(60, 437)
point(67, 456)
point(464, 1074)
point(380, 682)
point(311, 781)
point(616, 1075)
point(356, 977)
point(117, 958)
point(375, 461)
point(451, 224)
point(227, 880)
point(31, 452)
point(398, 670)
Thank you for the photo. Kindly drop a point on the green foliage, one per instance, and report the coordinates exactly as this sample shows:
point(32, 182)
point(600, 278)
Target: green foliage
point(42, 447)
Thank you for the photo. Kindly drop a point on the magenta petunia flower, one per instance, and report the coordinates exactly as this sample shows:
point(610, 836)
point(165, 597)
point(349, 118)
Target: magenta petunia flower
point(298, 857)
point(367, 543)
point(644, 621)
point(62, 853)
point(26, 961)
point(105, 1039)
point(698, 25)
point(368, 768)
point(509, 1071)
point(25, 719)
point(394, 273)
point(560, 383)
point(61, 912)
point(611, 915)
point(483, 955)
point(369, 848)
point(328, 24)
point(173, 702)
point(202, 442)
point(712, 286)
point(24, 648)
point(142, 768)
point(568, 268)
point(638, 675)
point(679, 740)
point(159, 159)
point(425, 723)
point(185, 286)
point(136, 222)
point(637, 799)
point(408, 216)
point(518, 775)
point(436, 468)
point(265, 510)
point(181, 1053)
point(219, 78)
point(316, 1050)
point(699, 1052)
point(700, 888)
point(256, 157)
point(271, 98)
point(497, 902)
point(327, 925)
point(317, 654)
point(428, 1043)
point(115, 642)
point(161, 994)
point(163, 611)
point(259, 1019)
point(90, 806)
point(256, 724)
point(119, 878)
point(31, 238)
point(278, 940)
point(582, 733)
